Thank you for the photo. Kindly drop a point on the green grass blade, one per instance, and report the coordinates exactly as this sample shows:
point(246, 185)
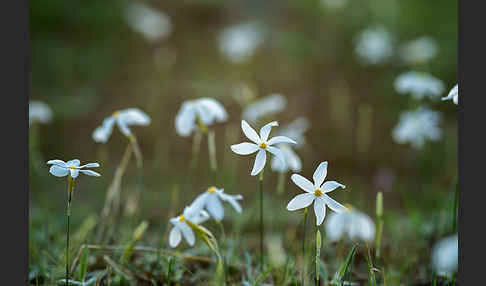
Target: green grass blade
point(344, 268)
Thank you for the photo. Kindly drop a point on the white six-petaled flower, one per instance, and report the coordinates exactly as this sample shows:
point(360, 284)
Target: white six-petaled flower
point(453, 94)
point(357, 225)
point(182, 228)
point(316, 192)
point(261, 143)
point(60, 168)
point(206, 109)
point(211, 201)
point(123, 119)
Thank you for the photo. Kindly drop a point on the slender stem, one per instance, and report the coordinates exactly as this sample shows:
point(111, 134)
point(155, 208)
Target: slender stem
point(196, 145)
point(222, 238)
point(318, 253)
point(262, 228)
point(213, 164)
point(303, 246)
point(68, 214)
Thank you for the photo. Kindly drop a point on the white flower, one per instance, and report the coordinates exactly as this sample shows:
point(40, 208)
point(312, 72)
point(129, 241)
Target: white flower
point(453, 94)
point(211, 200)
point(357, 225)
point(208, 110)
point(181, 228)
point(261, 144)
point(122, 118)
point(445, 254)
point(292, 160)
point(374, 45)
point(238, 43)
point(39, 112)
point(316, 192)
point(419, 85)
point(334, 4)
point(269, 105)
point(419, 50)
point(417, 126)
point(60, 168)
point(152, 24)
point(295, 130)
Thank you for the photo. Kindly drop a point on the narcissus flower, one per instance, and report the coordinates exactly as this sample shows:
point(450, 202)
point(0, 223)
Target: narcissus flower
point(39, 112)
point(123, 119)
point(207, 110)
point(453, 94)
point(181, 228)
point(211, 201)
point(374, 45)
point(152, 24)
point(417, 126)
point(357, 225)
point(419, 85)
point(419, 50)
point(239, 43)
point(261, 144)
point(445, 255)
point(316, 192)
point(60, 168)
point(266, 106)
point(292, 160)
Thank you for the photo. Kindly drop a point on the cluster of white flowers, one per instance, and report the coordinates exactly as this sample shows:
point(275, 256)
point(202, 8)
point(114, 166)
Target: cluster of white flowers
point(419, 85)
point(123, 119)
point(374, 45)
point(239, 43)
point(419, 50)
point(266, 106)
point(152, 24)
point(418, 126)
point(39, 112)
point(207, 110)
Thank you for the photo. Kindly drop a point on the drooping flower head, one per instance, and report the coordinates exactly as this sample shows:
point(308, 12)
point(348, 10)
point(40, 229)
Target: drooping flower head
point(266, 106)
point(207, 110)
point(445, 255)
point(60, 168)
point(357, 226)
point(292, 160)
point(239, 43)
point(123, 119)
point(374, 46)
point(419, 85)
point(39, 112)
point(152, 24)
point(316, 192)
point(453, 94)
point(417, 126)
point(181, 228)
point(212, 199)
point(262, 144)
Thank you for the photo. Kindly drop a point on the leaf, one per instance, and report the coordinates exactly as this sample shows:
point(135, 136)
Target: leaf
point(371, 274)
point(343, 270)
point(83, 265)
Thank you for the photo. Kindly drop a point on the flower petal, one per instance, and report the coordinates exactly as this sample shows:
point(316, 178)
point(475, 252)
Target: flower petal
point(320, 174)
point(215, 207)
point(333, 205)
point(74, 173)
point(277, 152)
point(280, 139)
point(58, 171)
point(185, 121)
point(134, 116)
point(260, 160)
point(103, 132)
point(265, 130)
point(175, 237)
point(90, 173)
point(329, 186)
point(57, 162)
point(74, 163)
point(200, 218)
point(198, 204)
point(232, 199)
point(319, 210)
point(303, 183)
point(123, 126)
point(244, 148)
point(90, 165)
point(187, 233)
point(335, 225)
point(300, 201)
point(250, 133)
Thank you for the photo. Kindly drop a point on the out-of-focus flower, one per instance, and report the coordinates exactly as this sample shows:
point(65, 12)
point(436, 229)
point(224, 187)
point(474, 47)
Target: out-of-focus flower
point(316, 192)
point(374, 45)
point(269, 105)
point(417, 126)
point(181, 228)
point(357, 225)
point(152, 24)
point(419, 50)
point(445, 254)
point(295, 130)
point(211, 200)
point(60, 168)
point(453, 94)
point(334, 4)
point(238, 43)
point(292, 160)
point(39, 112)
point(261, 143)
point(206, 109)
point(122, 118)
point(419, 85)
point(276, 251)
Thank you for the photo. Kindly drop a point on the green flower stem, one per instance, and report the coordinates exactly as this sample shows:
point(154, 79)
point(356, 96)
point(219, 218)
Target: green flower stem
point(212, 152)
point(318, 253)
point(379, 218)
point(306, 212)
point(281, 183)
point(68, 214)
point(196, 146)
point(262, 229)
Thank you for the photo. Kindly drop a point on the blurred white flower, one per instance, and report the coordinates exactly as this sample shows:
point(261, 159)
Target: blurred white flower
point(211, 200)
point(269, 105)
point(181, 228)
point(357, 225)
point(419, 85)
point(445, 255)
point(419, 50)
point(334, 4)
point(295, 130)
point(261, 144)
point(122, 118)
point(292, 160)
point(238, 43)
point(374, 45)
point(208, 110)
point(417, 126)
point(453, 94)
point(39, 112)
point(152, 24)
point(276, 251)
point(60, 168)
point(316, 192)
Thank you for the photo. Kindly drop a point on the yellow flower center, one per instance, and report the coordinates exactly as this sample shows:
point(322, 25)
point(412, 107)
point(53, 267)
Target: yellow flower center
point(318, 192)
point(72, 167)
point(181, 218)
point(115, 114)
point(263, 145)
point(212, 190)
point(348, 207)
